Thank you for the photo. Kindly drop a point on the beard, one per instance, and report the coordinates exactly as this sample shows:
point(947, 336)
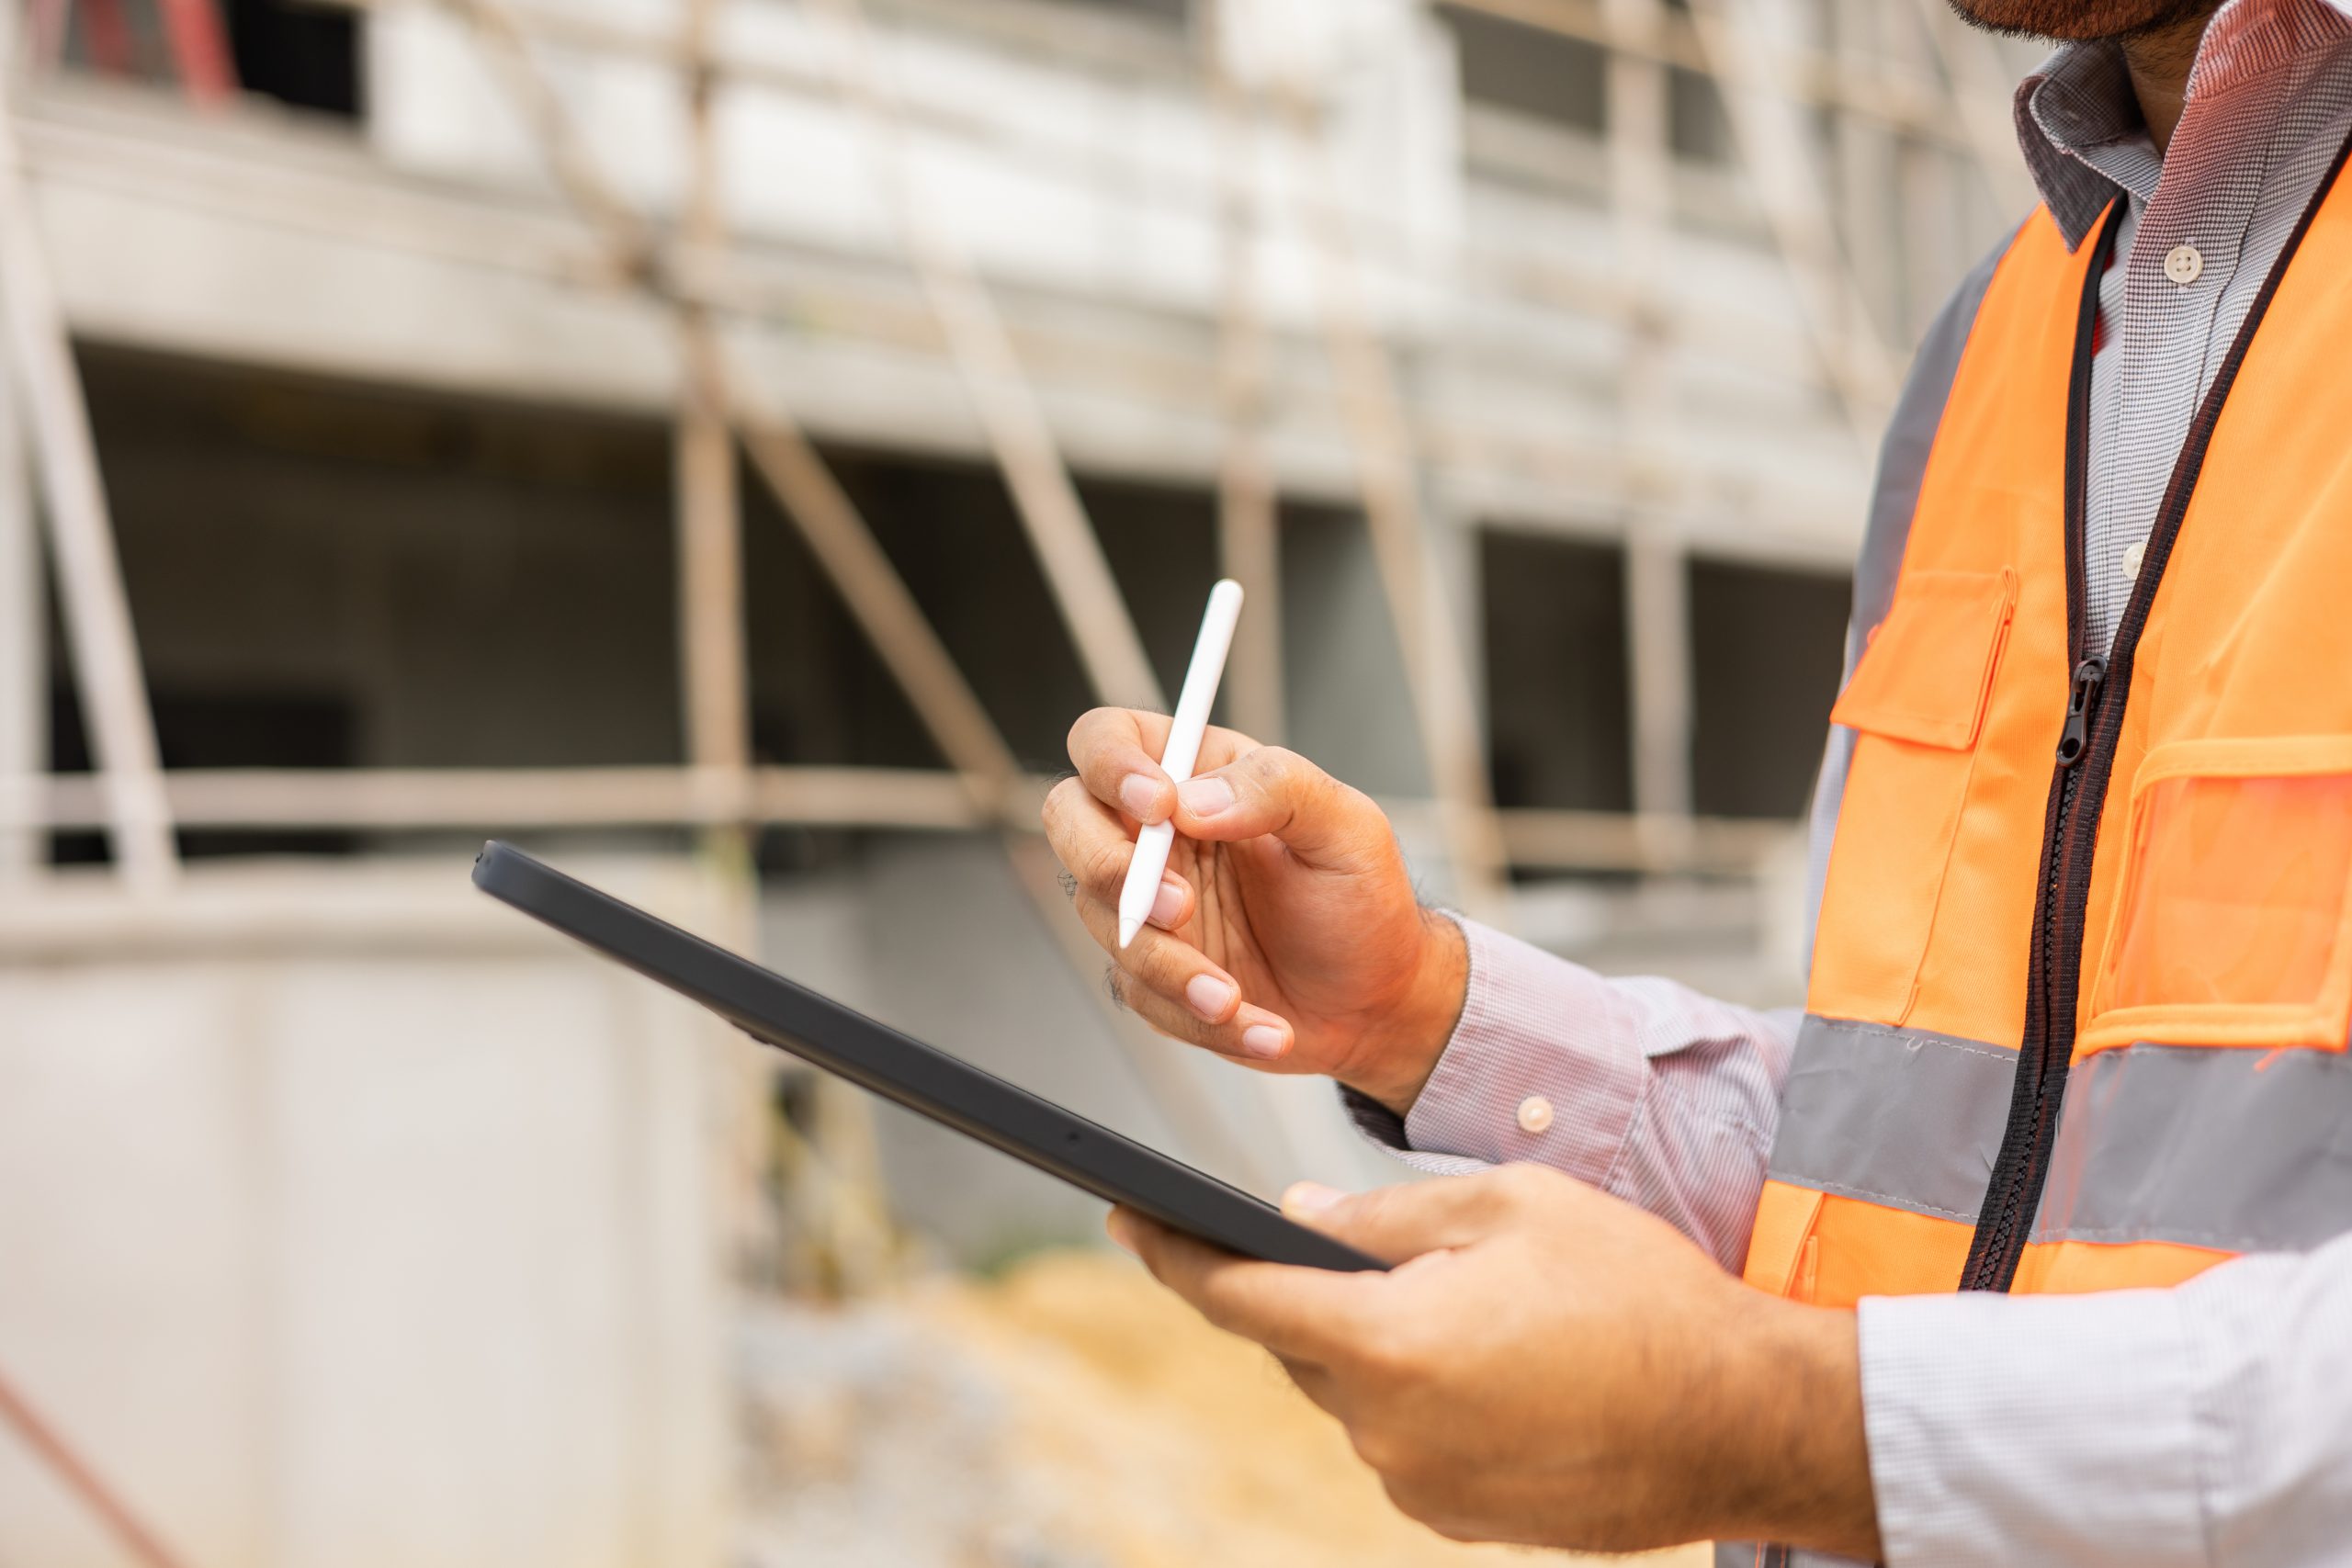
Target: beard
point(2081, 21)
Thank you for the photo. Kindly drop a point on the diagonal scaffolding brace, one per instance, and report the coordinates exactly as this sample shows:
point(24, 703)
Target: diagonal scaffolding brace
point(1065, 543)
point(876, 595)
point(1381, 438)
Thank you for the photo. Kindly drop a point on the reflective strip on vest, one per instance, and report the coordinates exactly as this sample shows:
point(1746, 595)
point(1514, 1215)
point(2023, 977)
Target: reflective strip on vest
point(1896, 1116)
point(2240, 1150)
point(2237, 1150)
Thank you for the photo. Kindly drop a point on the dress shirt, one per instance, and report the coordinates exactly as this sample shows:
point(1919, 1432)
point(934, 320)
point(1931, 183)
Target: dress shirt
point(2207, 1424)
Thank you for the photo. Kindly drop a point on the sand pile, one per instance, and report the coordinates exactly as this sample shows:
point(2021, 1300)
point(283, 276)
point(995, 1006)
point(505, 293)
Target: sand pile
point(1069, 1415)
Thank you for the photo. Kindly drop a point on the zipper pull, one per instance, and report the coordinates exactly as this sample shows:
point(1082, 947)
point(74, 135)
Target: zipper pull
point(2077, 736)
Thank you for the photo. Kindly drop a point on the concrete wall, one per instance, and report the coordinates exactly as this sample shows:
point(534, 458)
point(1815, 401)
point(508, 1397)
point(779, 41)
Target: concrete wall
point(350, 1219)
point(934, 935)
point(429, 249)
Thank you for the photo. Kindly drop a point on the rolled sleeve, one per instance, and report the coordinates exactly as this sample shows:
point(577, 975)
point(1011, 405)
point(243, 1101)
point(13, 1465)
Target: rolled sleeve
point(1638, 1087)
point(1536, 1027)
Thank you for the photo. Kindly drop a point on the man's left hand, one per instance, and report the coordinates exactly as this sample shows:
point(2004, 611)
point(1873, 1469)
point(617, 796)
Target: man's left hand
point(1549, 1365)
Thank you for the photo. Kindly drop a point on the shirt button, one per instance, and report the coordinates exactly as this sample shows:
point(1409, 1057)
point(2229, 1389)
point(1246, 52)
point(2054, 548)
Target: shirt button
point(1534, 1113)
point(2184, 264)
point(2133, 553)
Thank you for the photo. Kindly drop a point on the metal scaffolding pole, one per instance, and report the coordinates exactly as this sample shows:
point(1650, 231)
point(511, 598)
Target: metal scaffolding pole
point(717, 686)
point(105, 649)
point(1076, 570)
point(390, 800)
point(877, 596)
point(1764, 84)
point(1387, 465)
point(24, 641)
point(1248, 507)
point(1777, 145)
point(1657, 608)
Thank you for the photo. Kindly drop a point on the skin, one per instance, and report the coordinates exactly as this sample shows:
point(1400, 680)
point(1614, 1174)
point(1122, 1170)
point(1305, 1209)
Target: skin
point(2158, 38)
point(1284, 887)
point(1618, 1392)
point(1548, 1364)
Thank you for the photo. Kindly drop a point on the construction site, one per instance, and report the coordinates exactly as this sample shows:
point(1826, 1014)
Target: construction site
point(721, 446)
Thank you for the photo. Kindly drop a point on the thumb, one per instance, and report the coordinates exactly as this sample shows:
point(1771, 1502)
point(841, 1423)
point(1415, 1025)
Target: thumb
point(1396, 1224)
point(1269, 791)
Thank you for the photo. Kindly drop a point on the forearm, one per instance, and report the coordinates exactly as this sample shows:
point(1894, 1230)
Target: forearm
point(1787, 1456)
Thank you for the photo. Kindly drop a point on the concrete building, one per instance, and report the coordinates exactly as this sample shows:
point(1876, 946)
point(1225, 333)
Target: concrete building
point(344, 1222)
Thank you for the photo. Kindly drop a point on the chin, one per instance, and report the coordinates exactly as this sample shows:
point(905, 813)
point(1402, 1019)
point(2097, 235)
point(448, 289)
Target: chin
point(2081, 21)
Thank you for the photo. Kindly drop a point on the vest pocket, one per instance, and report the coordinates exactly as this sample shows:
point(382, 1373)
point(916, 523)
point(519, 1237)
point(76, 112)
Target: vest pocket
point(1916, 701)
point(1928, 668)
point(2233, 926)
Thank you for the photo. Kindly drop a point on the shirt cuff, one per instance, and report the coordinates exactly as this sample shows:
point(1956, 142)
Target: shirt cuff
point(2007, 1429)
point(1540, 1067)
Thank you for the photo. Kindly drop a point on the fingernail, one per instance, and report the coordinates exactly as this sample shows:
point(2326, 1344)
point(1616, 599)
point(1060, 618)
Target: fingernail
point(1209, 995)
point(1263, 1040)
point(1167, 904)
point(1206, 797)
point(1305, 1198)
point(1121, 1231)
point(1138, 794)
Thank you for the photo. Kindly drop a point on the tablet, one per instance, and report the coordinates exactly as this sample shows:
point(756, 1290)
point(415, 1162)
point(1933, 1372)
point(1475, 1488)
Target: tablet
point(929, 1082)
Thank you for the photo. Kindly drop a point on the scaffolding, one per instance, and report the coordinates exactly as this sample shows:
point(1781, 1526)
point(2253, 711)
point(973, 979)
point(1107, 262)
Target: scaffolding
point(1767, 81)
point(1775, 86)
point(1810, 114)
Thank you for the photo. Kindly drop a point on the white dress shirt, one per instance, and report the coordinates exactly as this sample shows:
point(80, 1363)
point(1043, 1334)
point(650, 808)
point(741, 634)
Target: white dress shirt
point(2209, 1424)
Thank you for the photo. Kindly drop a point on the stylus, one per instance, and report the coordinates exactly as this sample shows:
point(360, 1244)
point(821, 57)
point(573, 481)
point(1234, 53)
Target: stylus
point(1183, 748)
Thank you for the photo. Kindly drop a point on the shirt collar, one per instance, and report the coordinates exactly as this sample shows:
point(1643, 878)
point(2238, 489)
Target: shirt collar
point(2085, 140)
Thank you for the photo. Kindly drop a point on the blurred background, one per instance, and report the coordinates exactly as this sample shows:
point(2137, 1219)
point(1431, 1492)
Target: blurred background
point(720, 445)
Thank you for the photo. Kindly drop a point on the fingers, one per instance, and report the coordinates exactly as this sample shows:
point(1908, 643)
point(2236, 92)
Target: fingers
point(1396, 1224)
point(1116, 752)
point(1094, 847)
point(1301, 1315)
point(1171, 986)
point(1269, 790)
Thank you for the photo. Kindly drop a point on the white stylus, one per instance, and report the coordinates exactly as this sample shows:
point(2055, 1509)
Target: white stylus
point(1183, 748)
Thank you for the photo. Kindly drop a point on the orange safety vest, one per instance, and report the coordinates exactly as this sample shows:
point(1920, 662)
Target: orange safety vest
point(2082, 976)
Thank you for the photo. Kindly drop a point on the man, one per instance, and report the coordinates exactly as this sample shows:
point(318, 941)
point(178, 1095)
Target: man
point(2035, 1202)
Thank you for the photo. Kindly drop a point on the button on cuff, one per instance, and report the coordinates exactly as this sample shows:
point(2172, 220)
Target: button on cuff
point(1535, 1114)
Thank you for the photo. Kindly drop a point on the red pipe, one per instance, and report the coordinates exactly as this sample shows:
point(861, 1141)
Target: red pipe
point(201, 50)
point(44, 1441)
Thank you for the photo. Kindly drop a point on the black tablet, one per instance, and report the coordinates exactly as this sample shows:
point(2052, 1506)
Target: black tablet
point(979, 1105)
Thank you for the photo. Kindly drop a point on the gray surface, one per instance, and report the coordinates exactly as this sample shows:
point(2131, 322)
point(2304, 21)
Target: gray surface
point(2244, 1150)
point(934, 935)
point(2238, 1149)
point(1902, 1117)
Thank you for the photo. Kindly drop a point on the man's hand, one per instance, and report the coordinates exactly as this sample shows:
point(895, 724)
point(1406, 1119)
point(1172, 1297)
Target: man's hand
point(1551, 1366)
point(1286, 935)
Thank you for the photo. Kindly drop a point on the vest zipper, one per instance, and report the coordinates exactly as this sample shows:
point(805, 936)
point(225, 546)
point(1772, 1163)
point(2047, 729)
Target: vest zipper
point(2089, 675)
point(1998, 1243)
point(2086, 760)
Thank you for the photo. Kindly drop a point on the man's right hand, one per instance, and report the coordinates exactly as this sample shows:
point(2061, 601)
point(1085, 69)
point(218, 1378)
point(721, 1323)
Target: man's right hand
point(1286, 935)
